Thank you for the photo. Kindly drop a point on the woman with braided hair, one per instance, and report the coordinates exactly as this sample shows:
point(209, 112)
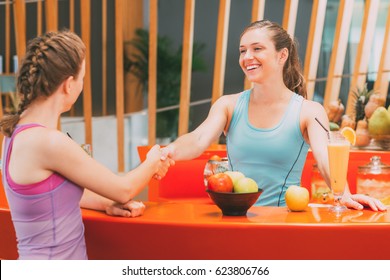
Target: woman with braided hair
point(46, 175)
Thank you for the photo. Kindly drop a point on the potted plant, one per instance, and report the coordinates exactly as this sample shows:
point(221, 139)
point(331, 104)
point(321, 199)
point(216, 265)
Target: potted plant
point(168, 75)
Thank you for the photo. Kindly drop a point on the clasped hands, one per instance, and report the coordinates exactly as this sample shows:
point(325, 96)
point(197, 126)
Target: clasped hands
point(164, 161)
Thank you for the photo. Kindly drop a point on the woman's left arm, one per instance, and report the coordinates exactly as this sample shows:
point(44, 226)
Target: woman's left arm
point(317, 138)
point(91, 200)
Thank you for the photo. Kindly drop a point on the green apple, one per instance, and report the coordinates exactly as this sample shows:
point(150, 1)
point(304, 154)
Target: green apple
point(245, 185)
point(235, 176)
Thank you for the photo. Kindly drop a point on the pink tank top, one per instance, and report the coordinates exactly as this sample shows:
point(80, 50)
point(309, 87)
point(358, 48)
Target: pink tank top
point(46, 215)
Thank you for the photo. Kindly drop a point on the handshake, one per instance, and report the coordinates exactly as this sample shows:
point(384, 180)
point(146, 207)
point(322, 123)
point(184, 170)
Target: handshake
point(161, 160)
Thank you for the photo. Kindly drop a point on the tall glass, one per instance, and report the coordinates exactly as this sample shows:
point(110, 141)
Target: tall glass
point(338, 154)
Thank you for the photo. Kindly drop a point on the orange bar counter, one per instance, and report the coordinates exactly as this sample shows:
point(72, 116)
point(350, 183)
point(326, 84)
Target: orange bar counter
point(187, 225)
point(195, 229)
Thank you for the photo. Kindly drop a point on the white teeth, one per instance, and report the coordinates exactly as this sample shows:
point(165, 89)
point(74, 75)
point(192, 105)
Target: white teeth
point(251, 67)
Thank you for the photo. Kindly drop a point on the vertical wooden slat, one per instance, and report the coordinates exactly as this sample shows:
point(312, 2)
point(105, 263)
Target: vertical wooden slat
point(152, 71)
point(363, 52)
point(258, 10)
point(257, 14)
point(186, 66)
point(314, 45)
point(104, 57)
point(290, 16)
point(119, 83)
point(85, 9)
point(51, 11)
point(7, 36)
point(133, 11)
point(71, 28)
point(383, 76)
point(39, 17)
point(338, 52)
point(220, 49)
point(20, 27)
point(71, 15)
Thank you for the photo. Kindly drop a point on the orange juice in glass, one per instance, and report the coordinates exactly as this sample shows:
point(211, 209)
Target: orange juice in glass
point(338, 154)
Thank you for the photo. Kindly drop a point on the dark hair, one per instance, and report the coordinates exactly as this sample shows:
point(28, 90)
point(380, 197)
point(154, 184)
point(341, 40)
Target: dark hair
point(49, 60)
point(292, 71)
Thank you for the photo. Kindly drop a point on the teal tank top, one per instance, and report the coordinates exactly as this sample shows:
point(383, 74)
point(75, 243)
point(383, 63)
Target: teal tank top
point(273, 157)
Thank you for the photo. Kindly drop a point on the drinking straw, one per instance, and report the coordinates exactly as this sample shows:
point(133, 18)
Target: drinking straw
point(327, 131)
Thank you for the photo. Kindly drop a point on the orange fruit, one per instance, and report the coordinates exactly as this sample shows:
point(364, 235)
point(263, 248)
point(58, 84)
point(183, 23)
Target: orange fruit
point(349, 134)
point(215, 157)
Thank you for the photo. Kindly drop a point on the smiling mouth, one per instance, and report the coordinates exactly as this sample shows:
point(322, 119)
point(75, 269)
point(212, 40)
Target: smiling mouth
point(252, 67)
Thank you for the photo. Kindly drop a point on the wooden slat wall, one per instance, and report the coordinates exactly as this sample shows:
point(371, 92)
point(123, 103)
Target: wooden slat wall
point(363, 51)
point(290, 16)
point(120, 108)
point(257, 14)
point(186, 66)
point(85, 8)
point(220, 49)
point(51, 11)
point(338, 52)
point(152, 81)
point(336, 65)
point(314, 45)
point(383, 77)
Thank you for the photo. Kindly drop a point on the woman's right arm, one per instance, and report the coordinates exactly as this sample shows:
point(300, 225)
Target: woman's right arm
point(191, 145)
point(63, 155)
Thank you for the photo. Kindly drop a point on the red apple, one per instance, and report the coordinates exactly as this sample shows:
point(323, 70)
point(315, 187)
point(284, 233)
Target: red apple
point(220, 182)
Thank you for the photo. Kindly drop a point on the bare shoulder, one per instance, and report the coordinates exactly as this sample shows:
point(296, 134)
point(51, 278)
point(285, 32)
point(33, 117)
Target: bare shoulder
point(312, 108)
point(227, 102)
point(42, 139)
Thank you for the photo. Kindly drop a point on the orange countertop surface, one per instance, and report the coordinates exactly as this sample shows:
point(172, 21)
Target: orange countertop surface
point(181, 222)
point(196, 229)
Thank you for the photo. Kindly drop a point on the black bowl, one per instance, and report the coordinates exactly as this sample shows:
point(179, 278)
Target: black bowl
point(234, 204)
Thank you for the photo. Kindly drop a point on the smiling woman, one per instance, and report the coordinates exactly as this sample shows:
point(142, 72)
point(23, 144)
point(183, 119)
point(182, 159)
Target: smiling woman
point(270, 127)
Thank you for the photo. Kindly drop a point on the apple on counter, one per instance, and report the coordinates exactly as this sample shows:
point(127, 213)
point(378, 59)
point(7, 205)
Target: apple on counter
point(297, 198)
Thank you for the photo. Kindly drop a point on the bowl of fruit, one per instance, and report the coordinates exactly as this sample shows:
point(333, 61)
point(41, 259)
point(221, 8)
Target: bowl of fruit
point(232, 192)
